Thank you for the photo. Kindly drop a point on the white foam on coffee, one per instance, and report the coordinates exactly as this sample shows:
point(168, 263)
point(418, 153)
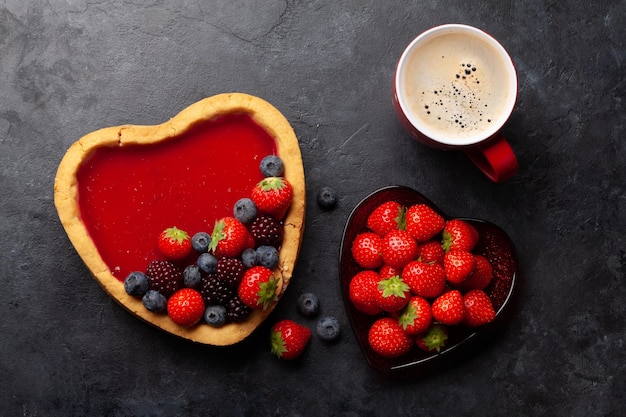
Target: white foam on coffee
point(458, 87)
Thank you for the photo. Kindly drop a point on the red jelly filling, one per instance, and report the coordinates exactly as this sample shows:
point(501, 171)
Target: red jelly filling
point(129, 194)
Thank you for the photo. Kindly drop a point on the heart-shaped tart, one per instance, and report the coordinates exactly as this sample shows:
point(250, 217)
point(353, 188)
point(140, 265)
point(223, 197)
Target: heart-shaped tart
point(118, 188)
point(493, 244)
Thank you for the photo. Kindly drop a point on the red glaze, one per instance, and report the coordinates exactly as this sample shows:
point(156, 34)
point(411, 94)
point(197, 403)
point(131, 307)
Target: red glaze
point(128, 195)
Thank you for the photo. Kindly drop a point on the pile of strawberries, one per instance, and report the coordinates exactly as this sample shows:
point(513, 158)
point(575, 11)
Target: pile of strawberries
point(246, 287)
point(418, 276)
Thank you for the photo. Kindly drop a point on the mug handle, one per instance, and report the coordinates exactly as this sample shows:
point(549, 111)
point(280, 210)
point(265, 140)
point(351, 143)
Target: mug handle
point(495, 159)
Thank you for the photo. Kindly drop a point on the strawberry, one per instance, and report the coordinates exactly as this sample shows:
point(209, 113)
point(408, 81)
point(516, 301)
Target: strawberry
point(459, 234)
point(448, 308)
point(185, 307)
point(431, 252)
point(399, 248)
point(230, 238)
point(387, 271)
point(386, 217)
point(423, 222)
point(433, 340)
point(480, 277)
point(288, 339)
point(458, 265)
point(174, 244)
point(362, 291)
point(387, 338)
point(366, 250)
point(273, 195)
point(393, 294)
point(164, 277)
point(416, 316)
point(426, 280)
point(257, 288)
point(478, 308)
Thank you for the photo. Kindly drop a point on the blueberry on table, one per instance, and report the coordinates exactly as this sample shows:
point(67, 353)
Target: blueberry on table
point(328, 328)
point(245, 210)
point(200, 241)
point(154, 301)
point(326, 198)
point(272, 166)
point(308, 305)
point(215, 315)
point(136, 284)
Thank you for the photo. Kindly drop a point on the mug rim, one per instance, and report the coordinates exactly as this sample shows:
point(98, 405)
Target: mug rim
point(473, 139)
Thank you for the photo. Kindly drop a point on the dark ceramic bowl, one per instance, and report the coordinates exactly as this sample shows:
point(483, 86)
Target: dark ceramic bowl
point(494, 244)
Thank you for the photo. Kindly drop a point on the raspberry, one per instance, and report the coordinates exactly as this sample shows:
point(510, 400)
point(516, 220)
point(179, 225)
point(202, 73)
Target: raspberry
point(230, 271)
point(266, 230)
point(164, 277)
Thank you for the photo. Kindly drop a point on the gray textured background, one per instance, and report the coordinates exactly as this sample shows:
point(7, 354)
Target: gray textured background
point(70, 67)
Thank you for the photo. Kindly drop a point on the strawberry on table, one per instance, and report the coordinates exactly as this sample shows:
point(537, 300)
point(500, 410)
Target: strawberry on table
point(416, 317)
point(426, 280)
point(423, 222)
point(174, 244)
point(288, 339)
point(185, 307)
point(362, 291)
point(478, 308)
point(257, 288)
point(367, 250)
point(399, 248)
point(393, 294)
point(433, 340)
point(459, 234)
point(386, 217)
point(230, 238)
point(458, 264)
point(387, 338)
point(273, 195)
point(448, 308)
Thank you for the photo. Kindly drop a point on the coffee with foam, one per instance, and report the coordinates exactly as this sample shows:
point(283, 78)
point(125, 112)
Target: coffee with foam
point(456, 86)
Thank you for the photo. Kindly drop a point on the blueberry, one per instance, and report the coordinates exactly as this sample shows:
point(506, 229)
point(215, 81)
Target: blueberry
point(192, 277)
point(308, 305)
point(328, 328)
point(249, 258)
point(267, 256)
point(326, 198)
point(215, 315)
point(154, 301)
point(207, 262)
point(136, 284)
point(245, 210)
point(272, 166)
point(200, 241)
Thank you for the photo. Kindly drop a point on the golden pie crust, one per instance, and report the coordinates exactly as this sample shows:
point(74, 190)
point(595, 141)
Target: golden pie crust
point(66, 202)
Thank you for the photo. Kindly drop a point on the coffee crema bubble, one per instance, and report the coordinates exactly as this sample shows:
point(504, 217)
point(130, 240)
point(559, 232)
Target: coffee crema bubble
point(458, 92)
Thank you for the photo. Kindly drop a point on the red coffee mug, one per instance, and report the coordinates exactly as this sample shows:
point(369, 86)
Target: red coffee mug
point(454, 88)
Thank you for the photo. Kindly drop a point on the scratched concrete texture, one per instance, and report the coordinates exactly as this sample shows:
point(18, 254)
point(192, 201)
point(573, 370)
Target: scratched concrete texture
point(70, 67)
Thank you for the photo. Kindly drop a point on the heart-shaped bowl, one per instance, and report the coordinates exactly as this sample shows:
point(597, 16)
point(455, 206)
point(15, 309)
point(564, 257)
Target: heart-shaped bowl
point(494, 244)
point(187, 143)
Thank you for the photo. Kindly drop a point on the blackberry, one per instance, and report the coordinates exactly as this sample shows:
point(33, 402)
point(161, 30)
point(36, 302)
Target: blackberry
point(237, 310)
point(230, 271)
point(214, 291)
point(164, 277)
point(266, 230)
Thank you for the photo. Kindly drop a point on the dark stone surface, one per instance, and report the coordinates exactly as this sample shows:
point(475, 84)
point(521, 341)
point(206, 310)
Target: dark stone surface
point(70, 67)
